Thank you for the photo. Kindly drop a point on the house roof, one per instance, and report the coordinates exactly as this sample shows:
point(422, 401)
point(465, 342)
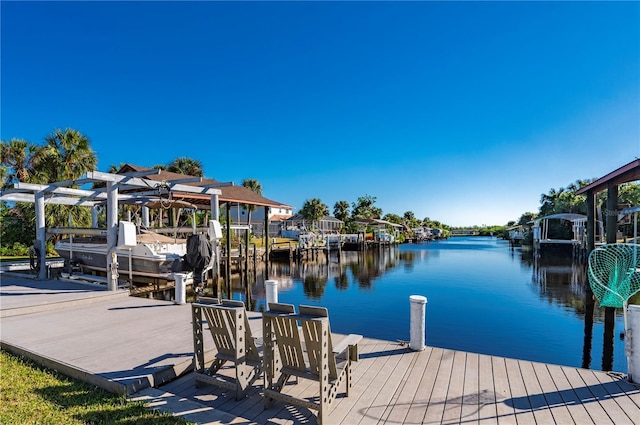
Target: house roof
point(561, 216)
point(299, 217)
point(230, 192)
point(625, 174)
point(279, 217)
point(378, 222)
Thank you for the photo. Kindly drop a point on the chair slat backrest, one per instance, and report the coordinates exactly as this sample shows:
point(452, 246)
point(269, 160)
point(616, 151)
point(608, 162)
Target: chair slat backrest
point(222, 320)
point(285, 329)
point(311, 320)
point(208, 300)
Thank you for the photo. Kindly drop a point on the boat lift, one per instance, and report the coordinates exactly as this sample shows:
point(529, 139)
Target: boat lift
point(62, 193)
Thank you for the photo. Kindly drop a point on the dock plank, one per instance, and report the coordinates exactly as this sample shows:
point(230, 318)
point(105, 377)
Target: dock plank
point(586, 398)
point(109, 340)
point(487, 410)
point(363, 371)
point(420, 403)
point(506, 412)
point(599, 391)
point(568, 395)
point(623, 391)
point(408, 389)
point(535, 394)
point(438, 399)
point(552, 397)
point(470, 413)
point(391, 377)
point(519, 396)
point(454, 400)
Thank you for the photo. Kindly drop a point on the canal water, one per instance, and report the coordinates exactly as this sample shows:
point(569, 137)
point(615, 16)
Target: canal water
point(483, 297)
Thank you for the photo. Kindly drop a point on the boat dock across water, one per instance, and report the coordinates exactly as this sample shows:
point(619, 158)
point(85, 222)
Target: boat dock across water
point(144, 348)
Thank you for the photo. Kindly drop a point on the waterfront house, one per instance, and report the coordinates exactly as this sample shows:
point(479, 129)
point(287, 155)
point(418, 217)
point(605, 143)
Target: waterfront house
point(297, 224)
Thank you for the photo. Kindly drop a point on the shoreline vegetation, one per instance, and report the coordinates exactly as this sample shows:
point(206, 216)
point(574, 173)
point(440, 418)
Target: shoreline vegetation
point(67, 155)
point(30, 393)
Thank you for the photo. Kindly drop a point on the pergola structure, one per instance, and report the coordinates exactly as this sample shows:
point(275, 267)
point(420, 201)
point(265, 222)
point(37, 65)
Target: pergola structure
point(131, 185)
point(625, 174)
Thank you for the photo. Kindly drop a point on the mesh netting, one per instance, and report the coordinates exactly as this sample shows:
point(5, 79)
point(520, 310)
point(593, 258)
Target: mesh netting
point(614, 273)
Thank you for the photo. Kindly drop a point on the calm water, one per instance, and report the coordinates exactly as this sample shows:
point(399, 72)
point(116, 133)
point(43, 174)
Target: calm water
point(483, 297)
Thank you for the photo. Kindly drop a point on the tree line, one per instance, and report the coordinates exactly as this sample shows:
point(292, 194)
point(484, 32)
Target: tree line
point(565, 200)
point(364, 208)
point(64, 155)
point(67, 155)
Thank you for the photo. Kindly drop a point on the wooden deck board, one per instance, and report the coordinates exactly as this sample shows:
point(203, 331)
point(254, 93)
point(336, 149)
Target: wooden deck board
point(455, 394)
point(407, 390)
point(438, 399)
point(471, 391)
point(586, 397)
point(616, 389)
point(387, 381)
point(569, 396)
point(363, 372)
point(538, 402)
point(115, 339)
point(487, 411)
point(506, 412)
point(552, 398)
point(519, 396)
point(601, 394)
point(420, 402)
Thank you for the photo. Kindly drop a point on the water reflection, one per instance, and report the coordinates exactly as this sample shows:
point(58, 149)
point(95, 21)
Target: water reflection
point(364, 267)
point(479, 292)
point(563, 279)
point(560, 279)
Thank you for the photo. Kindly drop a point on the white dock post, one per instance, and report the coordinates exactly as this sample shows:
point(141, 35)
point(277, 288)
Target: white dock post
point(271, 287)
point(418, 322)
point(181, 288)
point(633, 345)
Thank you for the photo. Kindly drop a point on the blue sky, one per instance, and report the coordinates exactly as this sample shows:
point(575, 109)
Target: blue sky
point(461, 112)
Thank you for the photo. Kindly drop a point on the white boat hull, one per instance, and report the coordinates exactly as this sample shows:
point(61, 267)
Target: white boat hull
point(144, 258)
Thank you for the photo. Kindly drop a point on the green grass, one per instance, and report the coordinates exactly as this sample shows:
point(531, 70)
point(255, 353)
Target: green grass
point(31, 394)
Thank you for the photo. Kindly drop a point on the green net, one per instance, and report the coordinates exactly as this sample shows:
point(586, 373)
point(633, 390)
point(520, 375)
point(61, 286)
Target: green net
point(614, 273)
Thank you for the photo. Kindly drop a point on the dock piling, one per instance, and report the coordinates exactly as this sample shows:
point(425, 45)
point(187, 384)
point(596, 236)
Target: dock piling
point(418, 322)
point(271, 287)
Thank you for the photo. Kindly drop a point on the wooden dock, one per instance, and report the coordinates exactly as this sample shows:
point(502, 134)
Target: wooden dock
point(144, 347)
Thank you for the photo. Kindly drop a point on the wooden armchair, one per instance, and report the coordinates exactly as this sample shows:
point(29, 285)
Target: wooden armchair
point(300, 345)
point(229, 326)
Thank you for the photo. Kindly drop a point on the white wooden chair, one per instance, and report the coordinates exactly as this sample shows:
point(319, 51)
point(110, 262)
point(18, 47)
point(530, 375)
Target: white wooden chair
point(300, 345)
point(229, 326)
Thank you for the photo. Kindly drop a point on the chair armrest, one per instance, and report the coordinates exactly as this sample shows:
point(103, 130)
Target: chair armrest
point(350, 341)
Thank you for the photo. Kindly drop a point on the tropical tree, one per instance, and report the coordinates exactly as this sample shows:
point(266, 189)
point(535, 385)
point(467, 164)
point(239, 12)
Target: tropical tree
point(20, 161)
point(255, 186)
point(410, 219)
point(526, 218)
point(186, 165)
point(69, 155)
point(341, 210)
point(314, 210)
point(364, 208)
point(393, 218)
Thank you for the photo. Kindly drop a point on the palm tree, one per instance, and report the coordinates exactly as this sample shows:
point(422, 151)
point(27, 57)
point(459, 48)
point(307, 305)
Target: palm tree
point(314, 210)
point(255, 186)
point(70, 155)
point(20, 161)
point(187, 166)
point(341, 210)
